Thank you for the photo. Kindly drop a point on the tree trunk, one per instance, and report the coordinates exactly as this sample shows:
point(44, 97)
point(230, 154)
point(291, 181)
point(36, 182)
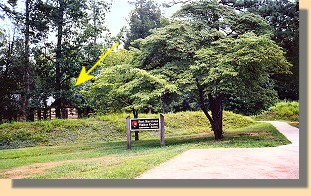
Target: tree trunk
point(45, 114)
point(216, 109)
point(24, 95)
point(45, 110)
point(135, 113)
point(60, 19)
point(39, 115)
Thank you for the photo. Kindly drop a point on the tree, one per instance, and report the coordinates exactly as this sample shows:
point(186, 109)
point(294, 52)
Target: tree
point(24, 99)
point(43, 78)
point(31, 25)
point(49, 66)
point(120, 86)
point(26, 63)
point(216, 53)
point(124, 87)
point(145, 16)
point(231, 66)
point(92, 98)
point(283, 18)
point(79, 24)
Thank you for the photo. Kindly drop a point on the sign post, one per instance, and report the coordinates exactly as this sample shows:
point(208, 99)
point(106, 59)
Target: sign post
point(139, 124)
point(128, 132)
point(162, 143)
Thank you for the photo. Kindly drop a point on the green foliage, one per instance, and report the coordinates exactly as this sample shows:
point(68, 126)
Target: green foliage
point(124, 87)
point(172, 46)
point(248, 104)
point(230, 65)
point(283, 18)
point(80, 37)
point(166, 49)
point(80, 32)
point(216, 54)
point(285, 110)
point(170, 51)
point(208, 44)
point(119, 57)
point(145, 16)
point(207, 15)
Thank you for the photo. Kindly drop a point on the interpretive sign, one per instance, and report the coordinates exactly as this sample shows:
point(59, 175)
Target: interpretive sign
point(144, 124)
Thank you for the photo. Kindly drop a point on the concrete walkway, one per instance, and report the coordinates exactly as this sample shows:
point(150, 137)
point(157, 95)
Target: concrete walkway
point(235, 163)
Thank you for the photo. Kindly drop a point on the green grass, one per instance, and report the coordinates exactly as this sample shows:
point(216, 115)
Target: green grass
point(109, 127)
point(56, 132)
point(111, 160)
point(285, 110)
point(95, 148)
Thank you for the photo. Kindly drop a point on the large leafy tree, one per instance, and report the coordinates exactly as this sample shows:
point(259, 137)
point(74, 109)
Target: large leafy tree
point(124, 87)
point(215, 53)
point(283, 18)
point(231, 66)
point(92, 96)
point(121, 86)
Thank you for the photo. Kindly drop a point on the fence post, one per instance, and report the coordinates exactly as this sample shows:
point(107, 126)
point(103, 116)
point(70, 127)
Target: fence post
point(162, 142)
point(128, 132)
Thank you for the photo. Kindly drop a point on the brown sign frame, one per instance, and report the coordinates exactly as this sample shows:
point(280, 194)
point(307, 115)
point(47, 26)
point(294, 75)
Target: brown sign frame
point(129, 129)
point(141, 124)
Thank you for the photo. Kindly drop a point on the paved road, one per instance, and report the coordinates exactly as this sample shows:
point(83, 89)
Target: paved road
point(235, 163)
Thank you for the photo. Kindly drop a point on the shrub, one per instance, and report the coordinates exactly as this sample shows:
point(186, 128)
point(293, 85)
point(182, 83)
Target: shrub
point(285, 110)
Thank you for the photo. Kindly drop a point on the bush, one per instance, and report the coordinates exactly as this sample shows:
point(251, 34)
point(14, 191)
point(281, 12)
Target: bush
point(285, 110)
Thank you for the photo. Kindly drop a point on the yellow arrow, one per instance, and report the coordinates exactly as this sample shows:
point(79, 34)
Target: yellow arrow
point(85, 76)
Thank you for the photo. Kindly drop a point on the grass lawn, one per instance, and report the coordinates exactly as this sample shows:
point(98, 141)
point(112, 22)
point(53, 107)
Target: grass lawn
point(109, 159)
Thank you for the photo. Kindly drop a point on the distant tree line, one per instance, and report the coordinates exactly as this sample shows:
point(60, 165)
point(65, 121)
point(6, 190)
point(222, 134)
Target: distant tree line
point(44, 50)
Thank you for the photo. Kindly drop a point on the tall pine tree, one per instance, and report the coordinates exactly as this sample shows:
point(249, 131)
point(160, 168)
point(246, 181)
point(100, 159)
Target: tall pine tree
point(145, 16)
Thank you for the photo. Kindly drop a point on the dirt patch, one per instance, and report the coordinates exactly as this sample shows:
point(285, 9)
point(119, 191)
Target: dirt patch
point(40, 168)
point(255, 133)
point(30, 170)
